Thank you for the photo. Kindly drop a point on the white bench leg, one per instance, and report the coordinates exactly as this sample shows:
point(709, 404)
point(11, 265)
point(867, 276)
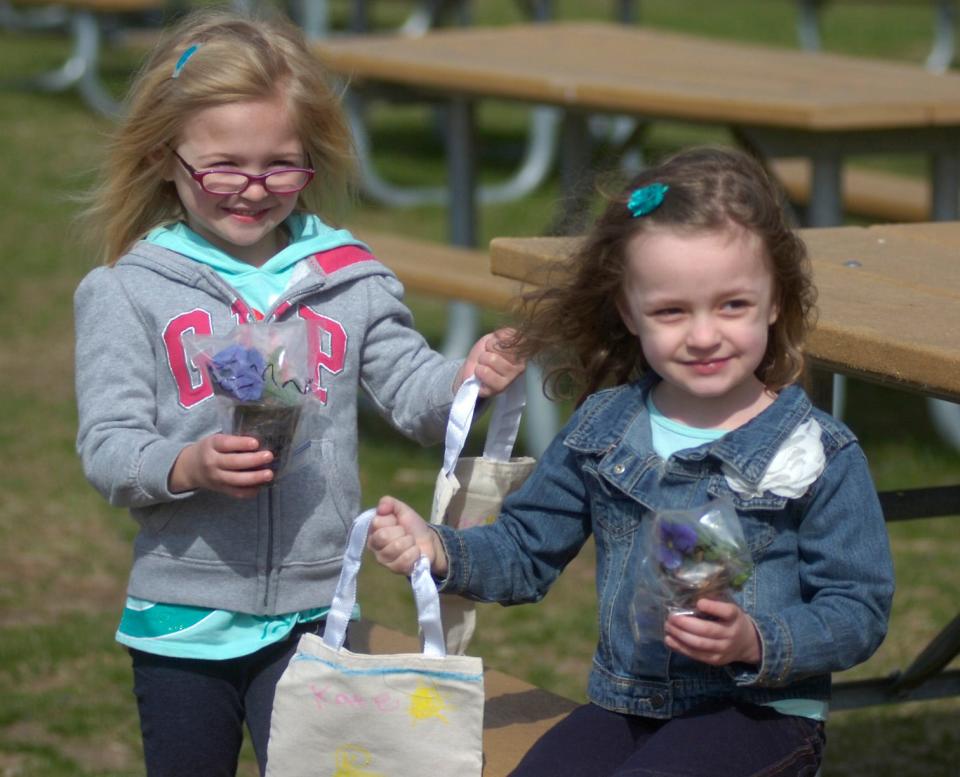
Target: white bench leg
point(944, 43)
point(541, 422)
point(85, 29)
point(462, 325)
point(81, 68)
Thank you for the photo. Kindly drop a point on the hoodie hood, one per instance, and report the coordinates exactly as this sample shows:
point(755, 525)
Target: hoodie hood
point(262, 286)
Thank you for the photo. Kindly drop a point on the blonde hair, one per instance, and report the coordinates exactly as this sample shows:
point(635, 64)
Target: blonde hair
point(572, 323)
point(239, 58)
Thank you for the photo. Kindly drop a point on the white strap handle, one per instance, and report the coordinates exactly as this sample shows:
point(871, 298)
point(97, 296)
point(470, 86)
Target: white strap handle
point(504, 422)
point(345, 596)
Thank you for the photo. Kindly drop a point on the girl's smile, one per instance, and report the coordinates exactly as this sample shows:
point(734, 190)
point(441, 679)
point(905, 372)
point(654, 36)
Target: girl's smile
point(708, 366)
point(248, 216)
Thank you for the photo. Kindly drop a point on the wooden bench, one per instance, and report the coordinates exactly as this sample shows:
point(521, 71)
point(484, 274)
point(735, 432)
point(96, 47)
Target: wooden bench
point(516, 714)
point(442, 270)
point(871, 194)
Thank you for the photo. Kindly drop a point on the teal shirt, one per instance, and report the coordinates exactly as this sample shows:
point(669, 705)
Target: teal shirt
point(668, 437)
point(182, 631)
point(260, 286)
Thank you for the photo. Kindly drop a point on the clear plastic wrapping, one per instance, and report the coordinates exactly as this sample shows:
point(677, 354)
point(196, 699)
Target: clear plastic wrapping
point(690, 554)
point(261, 383)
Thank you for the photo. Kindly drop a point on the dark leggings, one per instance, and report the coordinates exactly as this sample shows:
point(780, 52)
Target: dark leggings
point(192, 711)
point(730, 741)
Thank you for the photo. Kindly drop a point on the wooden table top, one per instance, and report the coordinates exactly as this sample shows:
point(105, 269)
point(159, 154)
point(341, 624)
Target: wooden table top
point(611, 67)
point(889, 299)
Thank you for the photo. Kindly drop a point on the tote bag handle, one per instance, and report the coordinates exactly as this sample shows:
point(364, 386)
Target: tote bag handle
point(424, 594)
point(504, 422)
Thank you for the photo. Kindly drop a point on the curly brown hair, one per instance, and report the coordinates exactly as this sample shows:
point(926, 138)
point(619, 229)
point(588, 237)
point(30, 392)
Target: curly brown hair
point(571, 324)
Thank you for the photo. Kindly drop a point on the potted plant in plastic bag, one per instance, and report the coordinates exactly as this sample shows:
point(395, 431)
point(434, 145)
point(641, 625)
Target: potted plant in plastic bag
point(690, 554)
point(259, 374)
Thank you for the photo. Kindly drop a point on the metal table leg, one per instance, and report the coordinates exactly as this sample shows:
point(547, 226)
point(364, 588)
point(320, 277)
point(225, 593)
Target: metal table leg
point(944, 41)
point(462, 322)
point(462, 318)
point(945, 175)
point(942, 50)
point(826, 210)
point(81, 67)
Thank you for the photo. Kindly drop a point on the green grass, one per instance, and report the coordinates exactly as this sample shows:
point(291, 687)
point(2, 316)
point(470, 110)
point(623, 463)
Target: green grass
point(66, 707)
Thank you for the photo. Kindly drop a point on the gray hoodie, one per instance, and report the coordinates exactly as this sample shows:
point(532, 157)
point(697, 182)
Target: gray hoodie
point(141, 401)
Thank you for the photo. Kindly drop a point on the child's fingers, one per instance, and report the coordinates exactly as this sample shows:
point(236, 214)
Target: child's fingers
point(394, 548)
point(243, 463)
point(405, 562)
point(685, 627)
point(409, 518)
point(381, 540)
point(233, 443)
point(243, 484)
point(382, 522)
point(387, 506)
point(717, 609)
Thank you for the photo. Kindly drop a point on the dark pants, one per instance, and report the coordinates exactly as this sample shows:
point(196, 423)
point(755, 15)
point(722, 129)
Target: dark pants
point(742, 741)
point(192, 711)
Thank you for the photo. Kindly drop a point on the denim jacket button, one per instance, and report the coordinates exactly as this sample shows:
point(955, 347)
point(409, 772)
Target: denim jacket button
point(657, 700)
point(618, 469)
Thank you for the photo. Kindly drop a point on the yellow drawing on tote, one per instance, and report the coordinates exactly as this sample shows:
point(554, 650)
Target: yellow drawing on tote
point(426, 702)
point(351, 761)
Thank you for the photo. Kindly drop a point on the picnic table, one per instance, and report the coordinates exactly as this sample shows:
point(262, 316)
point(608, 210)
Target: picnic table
point(889, 312)
point(778, 102)
point(784, 102)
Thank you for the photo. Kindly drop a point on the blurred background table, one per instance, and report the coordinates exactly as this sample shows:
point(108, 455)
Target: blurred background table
point(777, 102)
point(783, 102)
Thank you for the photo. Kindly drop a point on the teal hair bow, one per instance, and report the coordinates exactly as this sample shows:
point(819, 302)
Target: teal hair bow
point(646, 199)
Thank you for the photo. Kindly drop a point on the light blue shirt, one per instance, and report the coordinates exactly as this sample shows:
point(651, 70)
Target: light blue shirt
point(260, 286)
point(182, 631)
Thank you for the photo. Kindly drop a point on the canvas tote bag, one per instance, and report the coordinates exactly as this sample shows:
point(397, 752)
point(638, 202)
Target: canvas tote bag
point(470, 490)
point(343, 714)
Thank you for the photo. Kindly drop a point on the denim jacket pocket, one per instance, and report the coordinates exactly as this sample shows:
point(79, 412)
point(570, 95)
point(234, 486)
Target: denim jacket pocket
point(719, 487)
point(616, 514)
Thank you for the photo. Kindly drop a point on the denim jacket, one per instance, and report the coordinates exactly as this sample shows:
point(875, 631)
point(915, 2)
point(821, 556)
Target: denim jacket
point(822, 585)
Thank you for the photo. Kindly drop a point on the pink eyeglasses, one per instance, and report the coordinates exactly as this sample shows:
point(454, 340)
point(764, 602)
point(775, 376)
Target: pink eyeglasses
point(289, 180)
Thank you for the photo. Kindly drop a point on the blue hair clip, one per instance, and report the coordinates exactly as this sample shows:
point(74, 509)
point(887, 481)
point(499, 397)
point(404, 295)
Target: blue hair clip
point(183, 60)
point(646, 199)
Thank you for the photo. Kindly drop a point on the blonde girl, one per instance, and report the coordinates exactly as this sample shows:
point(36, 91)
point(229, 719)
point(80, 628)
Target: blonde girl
point(207, 216)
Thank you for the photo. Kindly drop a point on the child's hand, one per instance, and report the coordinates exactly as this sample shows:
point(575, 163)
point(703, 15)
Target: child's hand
point(226, 463)
point(398, 537)
point(728, 636)
point(494, 365)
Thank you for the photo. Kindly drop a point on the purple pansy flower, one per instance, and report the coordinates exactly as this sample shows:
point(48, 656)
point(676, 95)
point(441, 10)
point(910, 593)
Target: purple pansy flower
point(238, 371)
point(677, 540)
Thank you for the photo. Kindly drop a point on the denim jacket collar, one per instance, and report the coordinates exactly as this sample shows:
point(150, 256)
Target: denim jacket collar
point(615, 426)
